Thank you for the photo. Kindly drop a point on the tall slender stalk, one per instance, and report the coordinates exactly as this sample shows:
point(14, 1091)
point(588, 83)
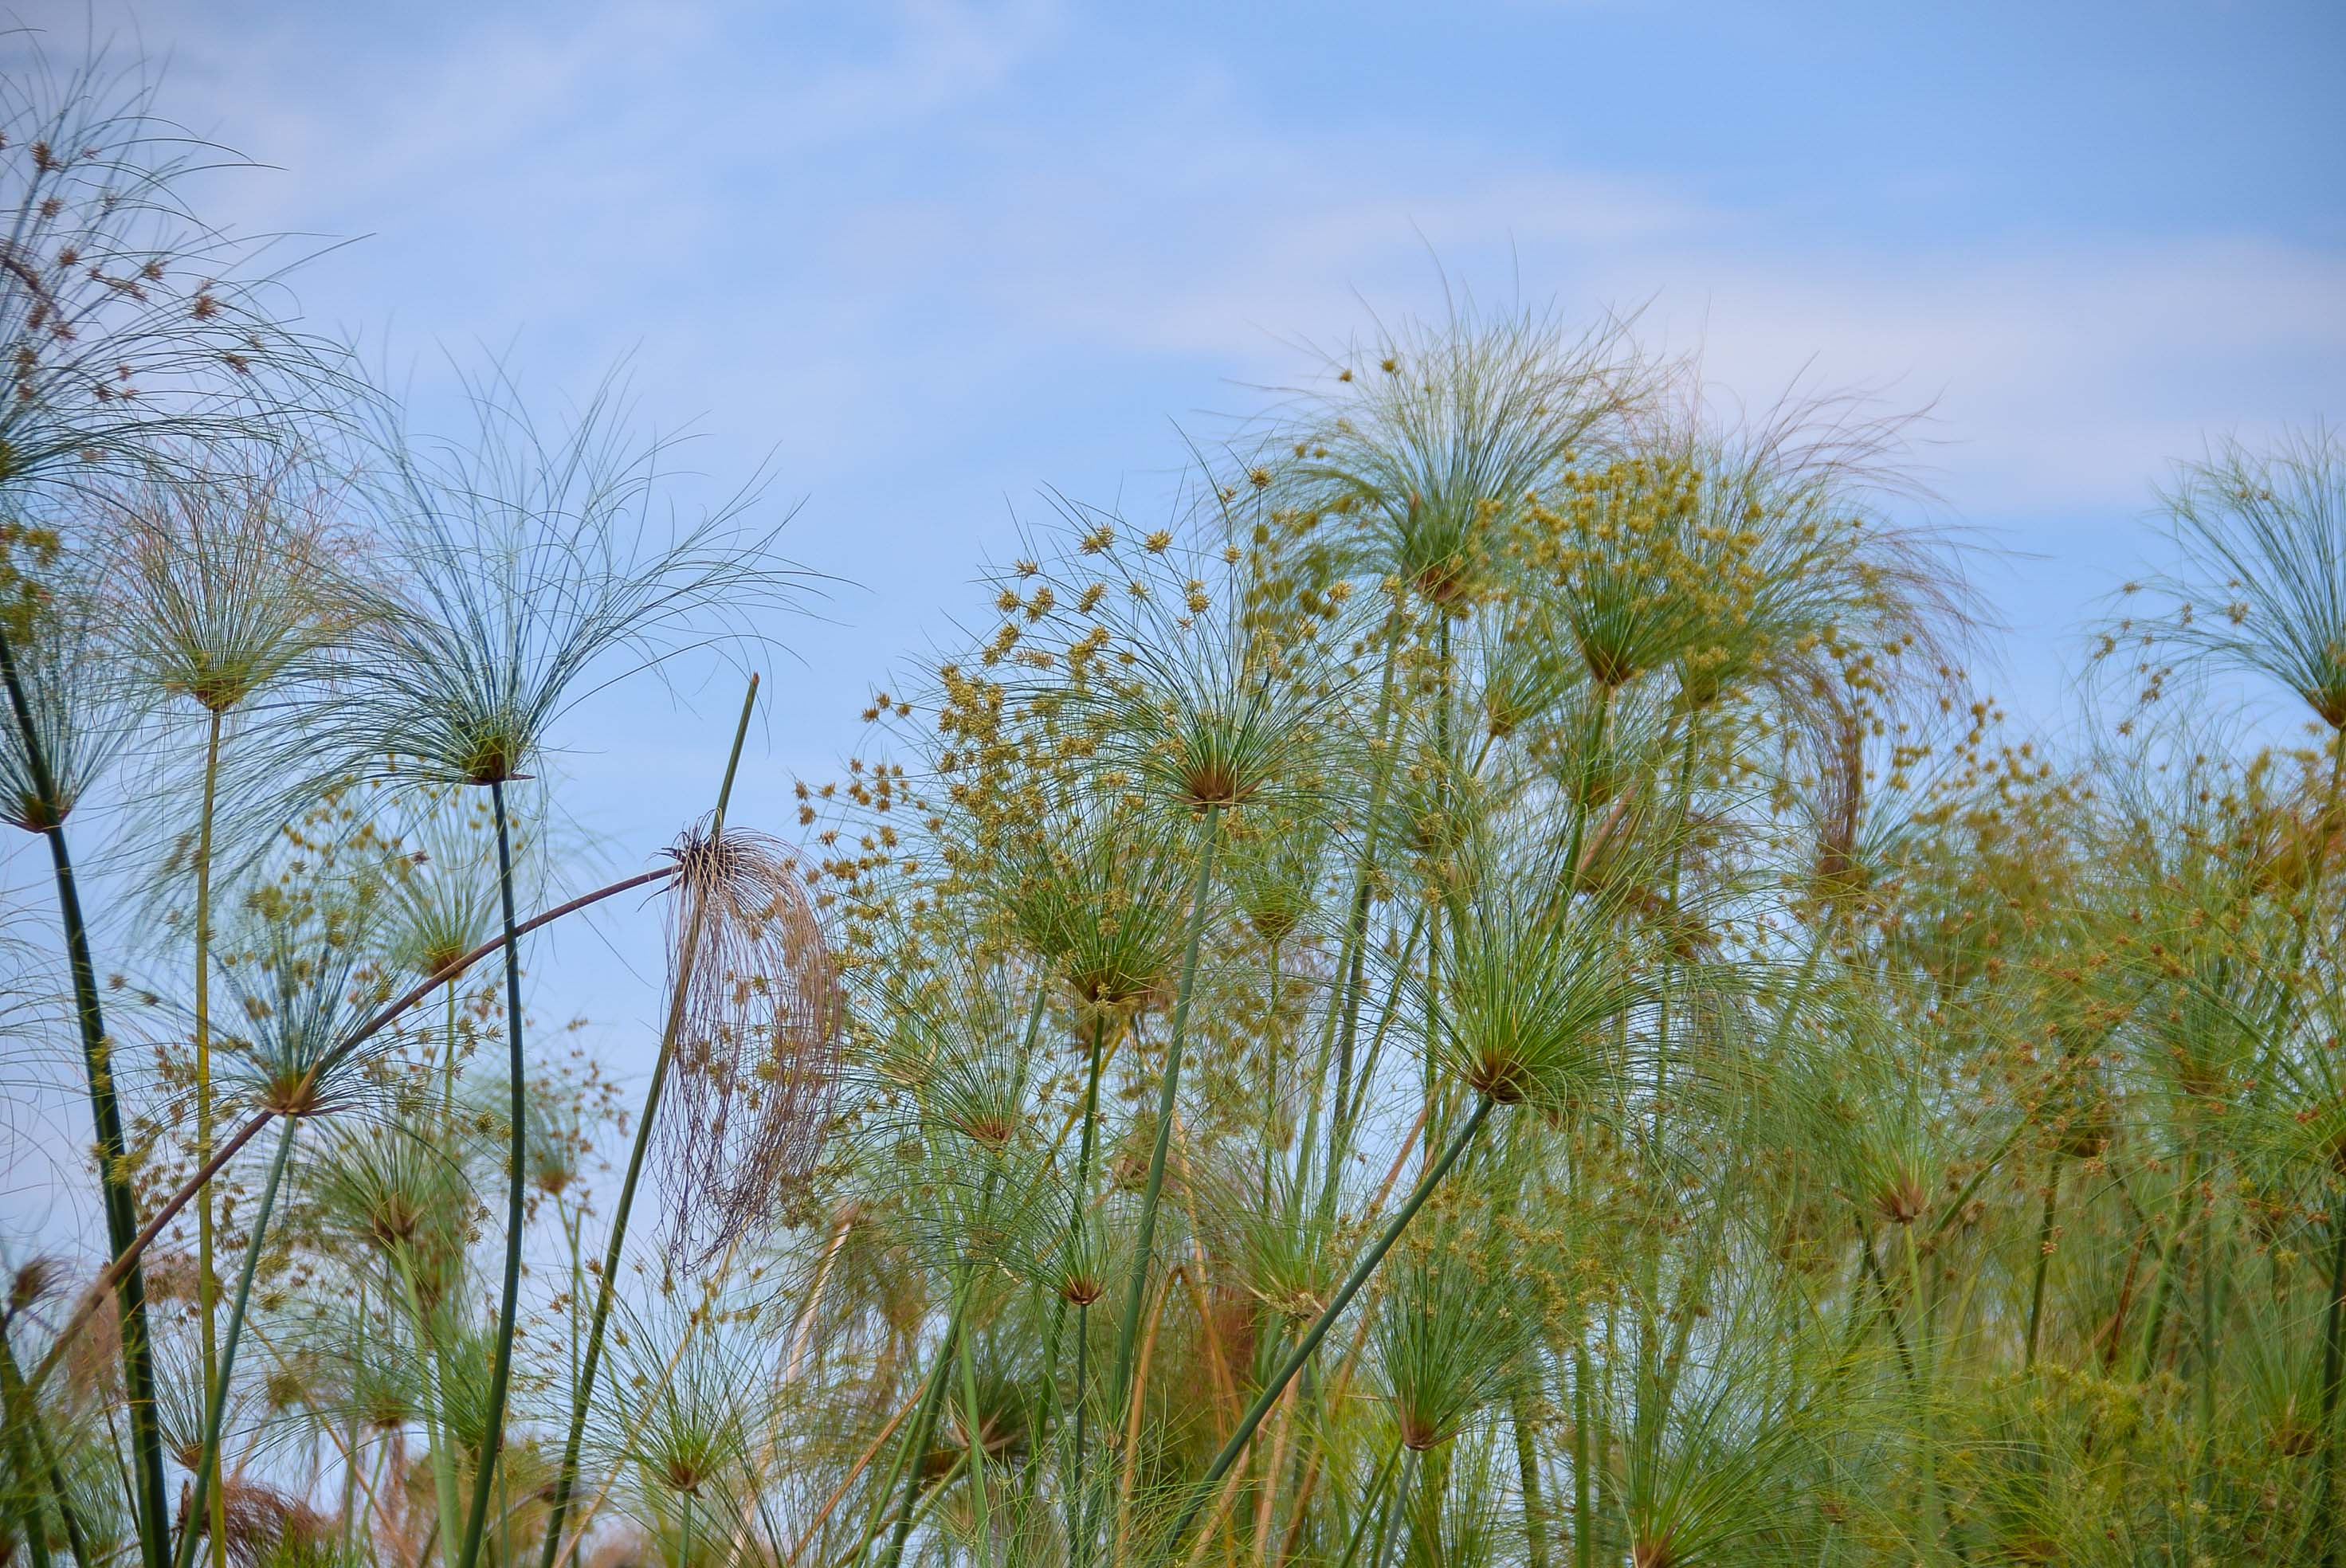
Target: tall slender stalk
point(2206, 1336)
point(1079, 1510)
point(1136, 1287)
point(1266, 1514)
point(1128, 1462)
point(2163, 1291)
point(207, 1289)
point(1353, 962)
point(439, 1433)
point(216, 1407)
point(1309, 1342)
point(974, 1436)
point(32, 1526)
point(566, 1478)
point(31, 1523)
point(1584, 1461)
point(1925, 1383)
point(1527, 1479)
point(2044, 1256)
point(1397, 1510)
point(924, 1426)
point(570, 1227)
point(448, 1063)
point(350, 1446)
point(23, 1417)
point(106, 1113)
point(1369, 1509)
point(917, 1509)
point(493, 1432)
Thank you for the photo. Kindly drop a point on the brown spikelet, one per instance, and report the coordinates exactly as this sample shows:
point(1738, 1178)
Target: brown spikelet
point(259, 1520)
point(1841, 810)
point(93, 1363)
point(36, 1280)
point(2086, 1131)
point(756, 1038)
point(2293, 1432)
point(1900, 1199)
point(1607, 855)
point(170, 1277)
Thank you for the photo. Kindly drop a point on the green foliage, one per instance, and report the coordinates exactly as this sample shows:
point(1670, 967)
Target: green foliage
point(1498, 947)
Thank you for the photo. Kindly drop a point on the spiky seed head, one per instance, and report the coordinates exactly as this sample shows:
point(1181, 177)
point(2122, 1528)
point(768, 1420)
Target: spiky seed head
point(1901, 1198)
point(2263, 533)
point(757, 1035)
point(35, 1281)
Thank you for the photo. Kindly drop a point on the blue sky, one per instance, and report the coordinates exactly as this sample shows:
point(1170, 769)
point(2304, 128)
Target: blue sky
point(929, 258)
point(932, 257)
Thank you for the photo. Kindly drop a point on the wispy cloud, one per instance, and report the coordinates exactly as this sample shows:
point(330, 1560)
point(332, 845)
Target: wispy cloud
point(1009, 239)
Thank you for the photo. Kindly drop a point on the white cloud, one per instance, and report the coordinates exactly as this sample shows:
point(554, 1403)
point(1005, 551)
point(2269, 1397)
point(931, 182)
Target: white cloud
point(2064, 376)
point(847, 239)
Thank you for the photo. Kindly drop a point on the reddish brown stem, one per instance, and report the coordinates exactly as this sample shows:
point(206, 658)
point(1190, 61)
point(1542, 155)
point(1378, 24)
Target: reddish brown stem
point(112, 1275)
